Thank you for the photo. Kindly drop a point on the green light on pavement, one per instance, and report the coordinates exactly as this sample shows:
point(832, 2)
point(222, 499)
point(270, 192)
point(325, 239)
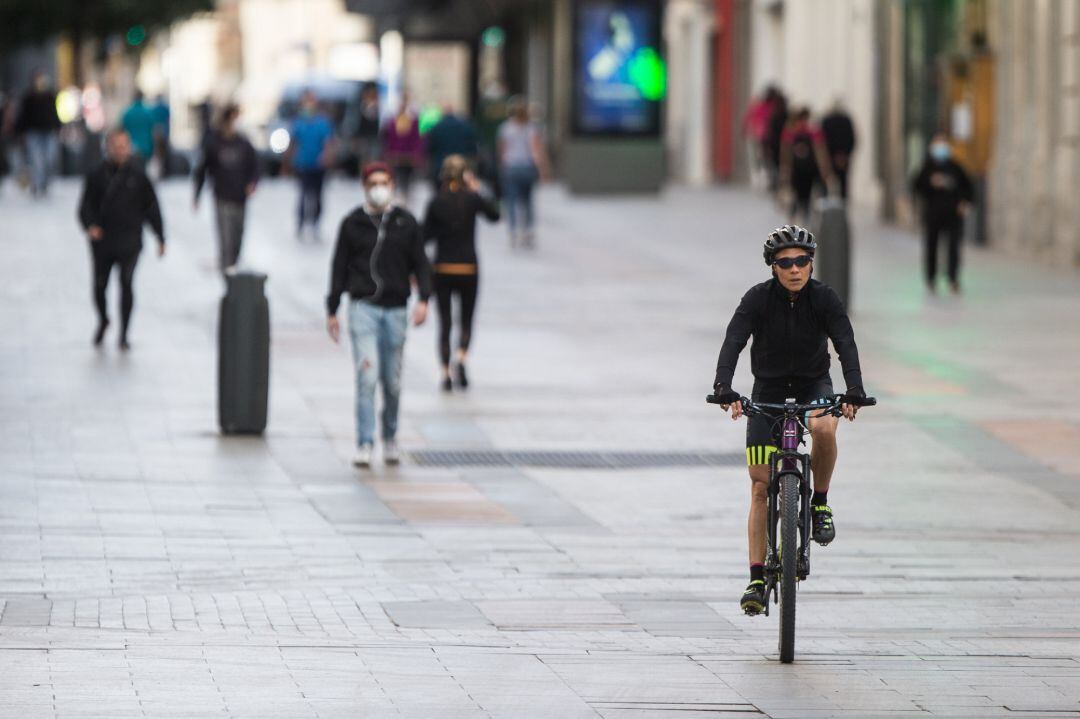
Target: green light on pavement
point(135, 35)
point(648, 74)
point(429, 117)
point(493, 37)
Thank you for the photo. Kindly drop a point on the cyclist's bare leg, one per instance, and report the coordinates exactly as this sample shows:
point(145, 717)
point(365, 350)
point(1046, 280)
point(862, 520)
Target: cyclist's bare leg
point(823, 454)
point(759, 511)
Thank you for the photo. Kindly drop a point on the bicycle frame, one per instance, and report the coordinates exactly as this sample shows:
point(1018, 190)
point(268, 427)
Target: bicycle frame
point(788, 460)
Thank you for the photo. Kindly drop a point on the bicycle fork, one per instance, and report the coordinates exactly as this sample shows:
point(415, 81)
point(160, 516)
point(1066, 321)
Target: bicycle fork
point(788, 461)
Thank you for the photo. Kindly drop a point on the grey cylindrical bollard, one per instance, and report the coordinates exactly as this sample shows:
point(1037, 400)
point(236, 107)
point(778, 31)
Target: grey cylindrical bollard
point(832, 262)
point(243, 354)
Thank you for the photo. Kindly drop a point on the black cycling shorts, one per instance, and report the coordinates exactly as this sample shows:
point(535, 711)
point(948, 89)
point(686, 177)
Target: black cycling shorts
point(761, 439)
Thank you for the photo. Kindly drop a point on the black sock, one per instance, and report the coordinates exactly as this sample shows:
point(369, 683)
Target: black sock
point(757, 573)
point(819, 499)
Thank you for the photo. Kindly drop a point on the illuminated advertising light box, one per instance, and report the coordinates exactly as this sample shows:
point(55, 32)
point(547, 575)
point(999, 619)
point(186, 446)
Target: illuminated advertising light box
point(619, 74)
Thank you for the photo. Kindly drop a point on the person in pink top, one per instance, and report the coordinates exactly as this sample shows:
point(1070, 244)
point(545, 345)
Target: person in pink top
point(804, 162)
point(755, 127)
point(403, 147)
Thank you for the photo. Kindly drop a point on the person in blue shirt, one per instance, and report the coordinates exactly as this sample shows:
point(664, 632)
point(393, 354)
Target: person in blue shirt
point(452, 135)
point(138, 122)
point(311, 152)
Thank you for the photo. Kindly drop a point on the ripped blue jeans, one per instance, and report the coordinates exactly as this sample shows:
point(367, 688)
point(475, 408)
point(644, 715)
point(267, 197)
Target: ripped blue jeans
point(378, 346)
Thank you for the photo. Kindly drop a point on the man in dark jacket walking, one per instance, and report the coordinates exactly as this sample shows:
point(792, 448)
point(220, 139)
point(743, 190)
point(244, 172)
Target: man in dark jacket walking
point(379, 252)
point(117, 201)
point(946, 192)
point(839, 133)
point(38, 123)
point(231, 162)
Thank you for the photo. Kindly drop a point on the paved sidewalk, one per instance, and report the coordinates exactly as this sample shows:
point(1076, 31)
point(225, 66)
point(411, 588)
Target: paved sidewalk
point(150, 567)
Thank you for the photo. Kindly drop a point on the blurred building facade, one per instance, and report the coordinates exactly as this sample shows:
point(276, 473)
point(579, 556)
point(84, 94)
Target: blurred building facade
point(1002, 77)
point(1035, 177)
point(819, 53)
point(247, 51)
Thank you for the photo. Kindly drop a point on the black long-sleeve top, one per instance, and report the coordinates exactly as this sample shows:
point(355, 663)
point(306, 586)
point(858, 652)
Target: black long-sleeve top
point(450, 222)
point(942, 186)
point(790, 335)
point(120, 200)
point(232, 166)
point(375, 258)
point(37, 113)
point(839, 133)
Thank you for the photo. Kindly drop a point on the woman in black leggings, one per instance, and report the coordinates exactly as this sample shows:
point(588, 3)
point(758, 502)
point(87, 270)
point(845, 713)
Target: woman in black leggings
point(450, 222)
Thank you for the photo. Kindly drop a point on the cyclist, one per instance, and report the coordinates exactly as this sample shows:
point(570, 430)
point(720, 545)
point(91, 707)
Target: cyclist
point(790, 317)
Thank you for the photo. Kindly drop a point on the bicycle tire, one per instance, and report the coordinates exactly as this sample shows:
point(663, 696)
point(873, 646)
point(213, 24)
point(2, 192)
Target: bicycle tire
point(789, 549)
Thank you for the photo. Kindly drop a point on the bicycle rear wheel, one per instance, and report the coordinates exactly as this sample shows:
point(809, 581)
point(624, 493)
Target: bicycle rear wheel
point(789, 549)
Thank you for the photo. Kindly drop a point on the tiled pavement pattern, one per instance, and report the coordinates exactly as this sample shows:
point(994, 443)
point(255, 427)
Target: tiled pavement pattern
point(149, 567)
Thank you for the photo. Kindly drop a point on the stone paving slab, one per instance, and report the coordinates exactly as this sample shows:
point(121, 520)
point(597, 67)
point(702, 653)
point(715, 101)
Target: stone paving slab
point(150, 567)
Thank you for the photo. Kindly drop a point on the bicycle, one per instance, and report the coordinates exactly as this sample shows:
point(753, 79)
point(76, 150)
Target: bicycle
point(787, 555)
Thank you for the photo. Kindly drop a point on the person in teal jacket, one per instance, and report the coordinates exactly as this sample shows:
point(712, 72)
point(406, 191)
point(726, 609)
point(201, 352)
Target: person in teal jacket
point(138, 121)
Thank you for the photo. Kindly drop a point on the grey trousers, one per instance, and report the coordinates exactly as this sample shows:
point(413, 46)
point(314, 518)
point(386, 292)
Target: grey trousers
point(230, 227)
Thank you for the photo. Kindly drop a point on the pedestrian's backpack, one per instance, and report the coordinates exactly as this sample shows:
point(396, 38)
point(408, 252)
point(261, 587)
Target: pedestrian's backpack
point(802, 152)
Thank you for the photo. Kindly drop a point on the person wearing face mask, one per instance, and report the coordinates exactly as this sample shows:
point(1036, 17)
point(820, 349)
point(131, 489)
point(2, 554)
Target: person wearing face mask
point(945, 191)
point(378, 254)
point(310, 153)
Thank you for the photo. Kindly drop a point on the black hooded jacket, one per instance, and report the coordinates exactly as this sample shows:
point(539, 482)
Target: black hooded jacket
point(790, 335)
point(376, 265)
point(120, 199)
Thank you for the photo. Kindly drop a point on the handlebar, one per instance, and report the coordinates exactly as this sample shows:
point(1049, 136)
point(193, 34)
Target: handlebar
point(751, 408)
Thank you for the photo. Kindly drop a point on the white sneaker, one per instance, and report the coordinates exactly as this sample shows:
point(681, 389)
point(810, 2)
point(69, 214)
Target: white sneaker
point(362, 458)
point(391, 452)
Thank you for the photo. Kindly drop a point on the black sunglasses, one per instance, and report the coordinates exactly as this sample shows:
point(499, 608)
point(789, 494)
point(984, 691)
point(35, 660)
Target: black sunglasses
point(786, 263)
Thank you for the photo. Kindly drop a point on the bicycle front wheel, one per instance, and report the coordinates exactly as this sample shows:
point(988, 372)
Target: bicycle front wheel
point(789, 550)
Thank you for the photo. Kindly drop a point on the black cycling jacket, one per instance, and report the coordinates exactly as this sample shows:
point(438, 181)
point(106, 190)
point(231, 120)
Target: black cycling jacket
point(790, 335)
point(376, 257)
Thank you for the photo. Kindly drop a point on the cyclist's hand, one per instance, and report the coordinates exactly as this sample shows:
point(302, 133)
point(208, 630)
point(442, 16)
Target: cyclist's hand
point(850, 410)
point(736, 409)
point(720, 390)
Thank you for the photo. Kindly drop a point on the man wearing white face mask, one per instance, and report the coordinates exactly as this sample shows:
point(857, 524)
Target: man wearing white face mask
point(946, 192)
point(379, 251)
